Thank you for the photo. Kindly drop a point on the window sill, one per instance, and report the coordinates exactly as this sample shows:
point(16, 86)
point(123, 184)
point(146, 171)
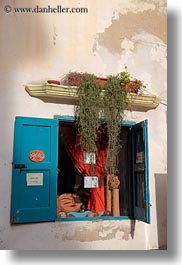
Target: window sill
point(103, 218)
point(135, 102)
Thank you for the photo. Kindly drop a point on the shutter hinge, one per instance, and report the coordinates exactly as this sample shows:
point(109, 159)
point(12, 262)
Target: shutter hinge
point(13, 219)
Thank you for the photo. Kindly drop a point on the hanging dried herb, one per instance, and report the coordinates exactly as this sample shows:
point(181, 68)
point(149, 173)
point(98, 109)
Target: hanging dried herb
point(114, 104)
point(92, 107)
point(88, 112)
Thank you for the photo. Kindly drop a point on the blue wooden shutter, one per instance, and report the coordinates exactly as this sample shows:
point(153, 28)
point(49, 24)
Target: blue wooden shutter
point(140, 169)
point(34, 184)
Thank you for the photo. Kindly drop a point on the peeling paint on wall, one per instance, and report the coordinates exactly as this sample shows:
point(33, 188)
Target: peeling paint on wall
point(99, 231)
point(131, 24)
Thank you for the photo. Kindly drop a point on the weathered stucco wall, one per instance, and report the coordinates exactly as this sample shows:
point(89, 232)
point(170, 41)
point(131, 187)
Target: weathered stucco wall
point(36, 47)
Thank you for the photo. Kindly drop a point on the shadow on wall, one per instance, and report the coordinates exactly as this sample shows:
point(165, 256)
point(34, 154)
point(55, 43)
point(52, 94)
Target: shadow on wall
point(161, 209)
point(132, 228)
point(26, 41)
point(59, 100)
point(24, 48)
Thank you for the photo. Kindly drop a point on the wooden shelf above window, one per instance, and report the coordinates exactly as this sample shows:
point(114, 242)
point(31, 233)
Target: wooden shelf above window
point(135, 102)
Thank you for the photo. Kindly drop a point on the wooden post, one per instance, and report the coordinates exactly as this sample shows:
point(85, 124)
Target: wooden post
point(116, 208)
point(108, 195)
point(115, 196)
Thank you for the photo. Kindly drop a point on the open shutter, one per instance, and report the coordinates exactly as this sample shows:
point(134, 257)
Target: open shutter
point(34, 179)
point(141, 196)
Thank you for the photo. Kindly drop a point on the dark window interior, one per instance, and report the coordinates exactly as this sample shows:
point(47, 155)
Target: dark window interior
point(70, 180)
point(67, 172)
point(123, 171)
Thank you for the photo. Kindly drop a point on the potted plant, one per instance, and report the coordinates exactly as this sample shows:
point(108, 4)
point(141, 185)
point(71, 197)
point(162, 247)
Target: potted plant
point(72, 79)
point(102, 81)
point(131, 85)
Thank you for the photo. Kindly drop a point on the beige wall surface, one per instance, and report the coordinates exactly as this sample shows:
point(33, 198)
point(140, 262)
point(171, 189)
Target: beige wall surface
point(35, 47)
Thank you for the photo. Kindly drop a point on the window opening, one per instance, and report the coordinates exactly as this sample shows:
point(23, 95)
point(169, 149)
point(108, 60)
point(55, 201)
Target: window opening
point(39, 198)
point(72, 195)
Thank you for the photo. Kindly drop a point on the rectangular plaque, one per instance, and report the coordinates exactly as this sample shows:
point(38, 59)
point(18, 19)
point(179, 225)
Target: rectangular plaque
point(34, 179)
point(91, 182)
point(89, 158)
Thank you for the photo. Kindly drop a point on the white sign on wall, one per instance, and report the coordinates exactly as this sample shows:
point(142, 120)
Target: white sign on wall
point(34, 179)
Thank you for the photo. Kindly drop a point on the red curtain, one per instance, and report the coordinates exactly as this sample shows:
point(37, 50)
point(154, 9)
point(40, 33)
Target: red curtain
point(97, 198)
point(71, 141)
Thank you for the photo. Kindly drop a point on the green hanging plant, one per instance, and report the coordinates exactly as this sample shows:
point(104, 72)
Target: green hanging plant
point(114, 104)
point(88, 112)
